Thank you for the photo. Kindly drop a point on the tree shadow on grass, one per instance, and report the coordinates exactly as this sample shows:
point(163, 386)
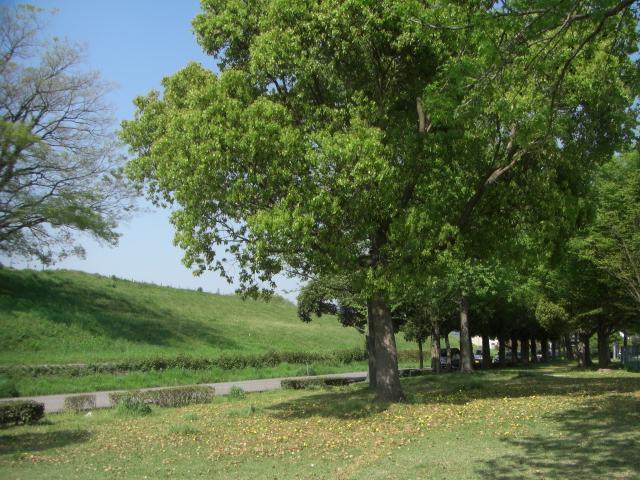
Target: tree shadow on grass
point(344, 403)
point(102, 312)
point(39, 441)
point(454, 389)
point(599, 440)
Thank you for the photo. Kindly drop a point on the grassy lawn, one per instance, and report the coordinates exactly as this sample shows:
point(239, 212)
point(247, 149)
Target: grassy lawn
point(543, 423)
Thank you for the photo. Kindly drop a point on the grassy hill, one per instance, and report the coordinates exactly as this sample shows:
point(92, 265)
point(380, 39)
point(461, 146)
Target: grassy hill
point(67, 316)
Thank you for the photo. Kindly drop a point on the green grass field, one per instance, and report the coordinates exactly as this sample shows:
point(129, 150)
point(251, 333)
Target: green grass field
point(67, 316)
point(543, 423)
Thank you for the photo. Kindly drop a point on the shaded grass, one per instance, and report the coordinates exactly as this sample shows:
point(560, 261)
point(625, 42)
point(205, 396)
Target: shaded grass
point(554, 423)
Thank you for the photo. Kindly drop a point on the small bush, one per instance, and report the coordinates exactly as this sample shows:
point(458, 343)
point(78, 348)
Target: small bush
point(236, 393)
point(23, 411)
point(242, 412)
point(78, 403)
point(132, 406)
point(8, 388)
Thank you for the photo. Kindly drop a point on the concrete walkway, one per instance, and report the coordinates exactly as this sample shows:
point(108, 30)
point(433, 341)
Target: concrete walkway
point(55, 403)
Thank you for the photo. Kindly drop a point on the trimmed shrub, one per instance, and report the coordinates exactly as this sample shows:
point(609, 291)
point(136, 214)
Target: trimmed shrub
point(308, 383)
point(22, 411)
point(78, 403)
point(167, 397)
point(132, 406)
point(179, 396)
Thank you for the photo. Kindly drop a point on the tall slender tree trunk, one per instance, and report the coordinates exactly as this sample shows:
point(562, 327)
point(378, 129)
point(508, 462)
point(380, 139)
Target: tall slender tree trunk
point(420, 354)
point(435, 347)
point(486, 352)
point(524, 346)
point(371, 349)
point(447, 345)
point(603, 346)
point(502, 358)
point(584, 351)
point(388, 387)
point(544, 347)
point(514, 350)
point(568, 347)
point(534, 353)
point(465, 341)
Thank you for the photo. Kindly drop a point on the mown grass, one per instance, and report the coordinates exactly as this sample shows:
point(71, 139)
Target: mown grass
point(65, 316)
point(552, 422)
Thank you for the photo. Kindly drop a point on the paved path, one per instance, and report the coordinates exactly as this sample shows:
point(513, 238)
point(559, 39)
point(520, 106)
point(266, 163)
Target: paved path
point(55, 403)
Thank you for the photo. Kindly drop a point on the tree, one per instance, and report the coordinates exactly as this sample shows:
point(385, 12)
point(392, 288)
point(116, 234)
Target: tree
point(612, 240)
point(59, 171)
point(361, 138)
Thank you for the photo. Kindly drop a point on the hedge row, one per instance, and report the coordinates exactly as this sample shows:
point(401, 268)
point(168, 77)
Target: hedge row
point(226, 362)
point(302, 383)
point(168, 397)
point(20, 411)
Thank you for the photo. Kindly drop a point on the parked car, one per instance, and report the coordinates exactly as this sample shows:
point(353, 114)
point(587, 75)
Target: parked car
point(477, 359)
point(455, 358)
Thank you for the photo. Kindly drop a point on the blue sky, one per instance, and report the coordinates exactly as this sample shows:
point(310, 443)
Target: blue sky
point(134, 44)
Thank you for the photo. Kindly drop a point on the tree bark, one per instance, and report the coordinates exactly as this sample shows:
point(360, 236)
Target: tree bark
point(486, 352)
point(420, 355)
point(435, 348)
point(465, 341)
point(603, 347)
point(568, 348)
point(502, 358)
point(534, 353)
point(388, 387)
point(584, 351)
point(544, 347)
point(524, 346)
point(371, 350)
point(448, 347)
point(514, 350)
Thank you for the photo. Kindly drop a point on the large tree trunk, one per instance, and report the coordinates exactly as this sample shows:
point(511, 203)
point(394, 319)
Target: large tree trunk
point(420, 354)
point(486, 352)
point(371, 349)
point(465, 341)
point(524, 346)
point(534, 353)
point(603, 347)
point(544, 349)
point(502, 358)
point(554, 350)
point(447, 345)
point(435, 348)
point(388, 387)
point(514, 350)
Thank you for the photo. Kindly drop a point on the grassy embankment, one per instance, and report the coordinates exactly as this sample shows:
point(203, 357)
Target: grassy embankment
point(547, 422)
point(57, 317)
